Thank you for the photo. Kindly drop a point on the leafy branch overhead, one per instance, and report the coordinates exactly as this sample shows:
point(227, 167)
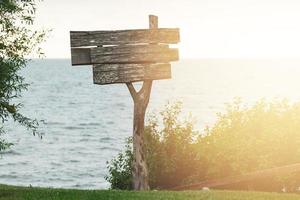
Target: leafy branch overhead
point(18, 40)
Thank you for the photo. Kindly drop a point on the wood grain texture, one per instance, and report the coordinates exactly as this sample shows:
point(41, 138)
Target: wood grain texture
point(124, 54)
point(124, 73)
point(129, 49)
point(81, 56)
point(99, 38)
point(141, 99)
point(162, 56)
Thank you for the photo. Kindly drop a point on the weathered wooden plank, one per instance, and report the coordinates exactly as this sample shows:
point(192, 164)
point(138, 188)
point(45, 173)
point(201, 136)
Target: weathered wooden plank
point(129, 49)
point(124, 73)
point(98, 38)
point(81, 56)
point(150, 57)
point(124, 54)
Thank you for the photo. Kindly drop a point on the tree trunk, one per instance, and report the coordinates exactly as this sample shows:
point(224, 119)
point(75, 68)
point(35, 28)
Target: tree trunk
point(141, 100)
point(140, 170)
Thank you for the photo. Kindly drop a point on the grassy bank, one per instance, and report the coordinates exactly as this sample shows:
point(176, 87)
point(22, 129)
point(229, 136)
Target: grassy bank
point(22, 193)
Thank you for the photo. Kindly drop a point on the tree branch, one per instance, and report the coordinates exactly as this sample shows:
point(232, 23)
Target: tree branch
point(146, 86)
point(132, 90)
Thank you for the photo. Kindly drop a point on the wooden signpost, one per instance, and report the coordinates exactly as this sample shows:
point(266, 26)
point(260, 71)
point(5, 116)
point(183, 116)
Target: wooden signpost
point(127, 56)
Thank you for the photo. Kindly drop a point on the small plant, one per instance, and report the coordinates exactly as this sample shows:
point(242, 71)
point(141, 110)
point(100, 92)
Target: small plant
point(120, 169)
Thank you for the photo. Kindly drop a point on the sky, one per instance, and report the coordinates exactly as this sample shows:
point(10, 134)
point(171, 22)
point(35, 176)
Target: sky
point(208, 28)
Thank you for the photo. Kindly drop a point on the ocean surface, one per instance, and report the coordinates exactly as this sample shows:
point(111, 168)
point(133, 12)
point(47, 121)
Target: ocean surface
point(85, 125)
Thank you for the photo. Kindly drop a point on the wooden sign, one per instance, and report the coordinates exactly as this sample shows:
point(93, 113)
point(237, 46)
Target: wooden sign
point(128, 56)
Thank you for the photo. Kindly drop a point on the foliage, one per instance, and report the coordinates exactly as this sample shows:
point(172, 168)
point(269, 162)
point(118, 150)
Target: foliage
point(244, 139)
point(170, 152)
point(17, 40)
point(120, 169)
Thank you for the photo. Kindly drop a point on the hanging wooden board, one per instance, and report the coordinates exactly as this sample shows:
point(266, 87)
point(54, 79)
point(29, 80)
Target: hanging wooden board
point(100, 38)
point(125, 73)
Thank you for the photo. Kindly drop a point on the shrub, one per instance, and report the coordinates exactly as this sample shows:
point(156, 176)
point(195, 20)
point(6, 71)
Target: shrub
point(120, 169)
point(244, 139)
point(250, 138)
point(170, 152)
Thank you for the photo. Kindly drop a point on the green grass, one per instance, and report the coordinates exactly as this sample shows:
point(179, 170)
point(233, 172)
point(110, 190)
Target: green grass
point(20, 193)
